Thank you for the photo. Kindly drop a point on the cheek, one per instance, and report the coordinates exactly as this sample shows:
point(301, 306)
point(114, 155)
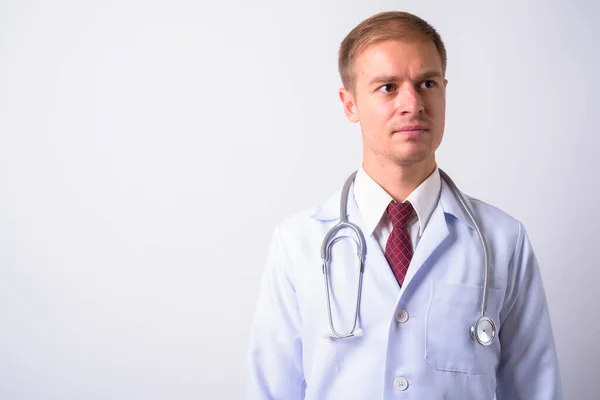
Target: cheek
point(437, 107)
point(376, 114)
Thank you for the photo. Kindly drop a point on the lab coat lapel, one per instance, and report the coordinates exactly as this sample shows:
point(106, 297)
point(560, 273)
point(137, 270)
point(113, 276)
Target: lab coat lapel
point(434, 234)
point(379, 270)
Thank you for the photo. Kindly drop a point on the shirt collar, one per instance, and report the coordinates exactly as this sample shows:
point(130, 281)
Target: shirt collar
point(372, 200)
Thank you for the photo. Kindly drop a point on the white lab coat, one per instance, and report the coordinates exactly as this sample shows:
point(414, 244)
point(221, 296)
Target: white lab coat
point(430, 355)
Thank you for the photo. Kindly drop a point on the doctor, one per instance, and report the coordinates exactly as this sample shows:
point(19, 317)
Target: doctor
point(424, 269)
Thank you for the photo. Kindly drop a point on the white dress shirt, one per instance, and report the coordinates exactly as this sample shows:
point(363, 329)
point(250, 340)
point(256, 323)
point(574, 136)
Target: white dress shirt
point(373, 200)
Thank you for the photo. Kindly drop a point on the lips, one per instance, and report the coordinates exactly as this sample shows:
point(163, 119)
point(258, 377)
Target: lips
point(411, 131)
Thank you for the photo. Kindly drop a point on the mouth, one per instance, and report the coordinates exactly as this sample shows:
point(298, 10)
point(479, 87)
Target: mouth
point(411, 131)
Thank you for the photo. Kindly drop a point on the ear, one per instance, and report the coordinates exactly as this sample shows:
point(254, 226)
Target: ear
point(349, 104)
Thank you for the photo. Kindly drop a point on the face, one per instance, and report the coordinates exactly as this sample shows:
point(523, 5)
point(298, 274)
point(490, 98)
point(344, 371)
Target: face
point(399, 99)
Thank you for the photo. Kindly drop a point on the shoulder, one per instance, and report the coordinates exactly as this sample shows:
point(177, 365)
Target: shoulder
point(492, 220)
point(497, 223)
point(489, 211)
point(310, 217)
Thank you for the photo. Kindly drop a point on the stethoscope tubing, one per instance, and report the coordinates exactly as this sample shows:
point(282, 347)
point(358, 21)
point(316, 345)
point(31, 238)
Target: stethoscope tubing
point(477, 331)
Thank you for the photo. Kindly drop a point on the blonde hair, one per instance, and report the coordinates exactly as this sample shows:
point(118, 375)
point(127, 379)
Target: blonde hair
point(390, 25)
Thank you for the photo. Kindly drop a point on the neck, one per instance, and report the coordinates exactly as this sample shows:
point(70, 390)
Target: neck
point(399, 180)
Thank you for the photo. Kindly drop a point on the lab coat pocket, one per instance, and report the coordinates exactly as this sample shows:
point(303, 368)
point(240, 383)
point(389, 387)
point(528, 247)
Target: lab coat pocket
point(453, 309)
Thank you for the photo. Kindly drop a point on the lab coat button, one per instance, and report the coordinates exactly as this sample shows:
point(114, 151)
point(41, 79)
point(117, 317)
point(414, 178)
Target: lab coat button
point(402, 316)
point(401, 383)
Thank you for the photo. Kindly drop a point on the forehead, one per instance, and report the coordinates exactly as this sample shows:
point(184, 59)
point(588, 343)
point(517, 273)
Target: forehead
point(395, 57)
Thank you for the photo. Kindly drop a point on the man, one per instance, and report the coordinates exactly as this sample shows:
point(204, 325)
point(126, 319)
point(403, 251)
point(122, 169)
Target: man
point(424, 268)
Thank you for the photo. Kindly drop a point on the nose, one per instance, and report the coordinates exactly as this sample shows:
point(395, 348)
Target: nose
point(409, 100)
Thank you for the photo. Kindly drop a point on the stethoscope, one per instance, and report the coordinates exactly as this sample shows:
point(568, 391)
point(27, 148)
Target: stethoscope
point(483, 330)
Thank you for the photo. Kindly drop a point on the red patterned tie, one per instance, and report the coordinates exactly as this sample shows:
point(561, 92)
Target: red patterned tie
point(398, 249)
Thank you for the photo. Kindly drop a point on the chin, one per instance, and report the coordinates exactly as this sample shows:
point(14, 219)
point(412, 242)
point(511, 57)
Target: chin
point(410, 158)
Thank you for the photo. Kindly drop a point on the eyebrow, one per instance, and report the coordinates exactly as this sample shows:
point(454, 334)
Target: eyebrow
point(393, 78)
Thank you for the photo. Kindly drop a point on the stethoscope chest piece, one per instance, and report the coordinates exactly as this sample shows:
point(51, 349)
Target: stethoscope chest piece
point(484, 331)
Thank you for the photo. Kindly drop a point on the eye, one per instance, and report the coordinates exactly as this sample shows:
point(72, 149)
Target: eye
point(388, 88)
point(428, 84)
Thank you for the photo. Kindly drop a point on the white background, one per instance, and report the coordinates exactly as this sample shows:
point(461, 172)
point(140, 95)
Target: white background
point(147, 150)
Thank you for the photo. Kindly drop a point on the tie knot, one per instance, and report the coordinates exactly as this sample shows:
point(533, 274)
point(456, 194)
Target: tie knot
point(400, 214)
